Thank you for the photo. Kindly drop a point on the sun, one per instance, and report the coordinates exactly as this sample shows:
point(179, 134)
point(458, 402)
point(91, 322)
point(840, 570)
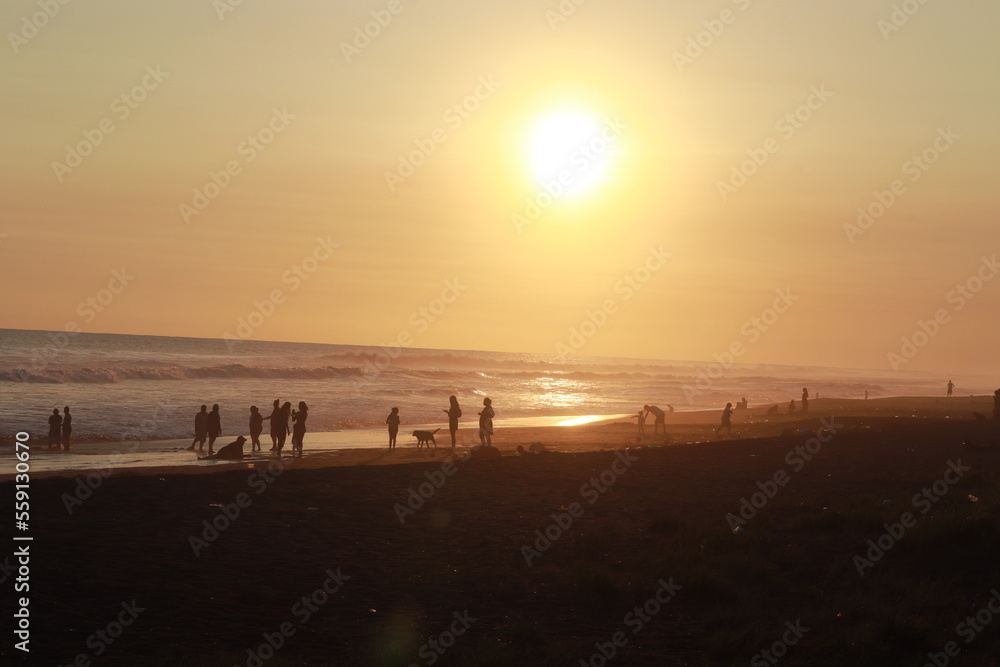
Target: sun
point(570, 152)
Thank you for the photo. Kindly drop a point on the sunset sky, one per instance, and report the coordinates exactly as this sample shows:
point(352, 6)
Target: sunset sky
point(312, 120)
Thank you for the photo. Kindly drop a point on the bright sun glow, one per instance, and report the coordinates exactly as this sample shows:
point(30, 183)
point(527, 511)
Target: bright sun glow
point(570, 152)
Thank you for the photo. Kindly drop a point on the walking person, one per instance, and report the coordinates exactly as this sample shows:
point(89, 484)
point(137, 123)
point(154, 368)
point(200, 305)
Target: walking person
point(299, 429)
point(727, 420)
point(393, 421)
point(214, 427)
point(486, 422)
point(951, 388)
point(55, 429)
point(256, 428)
point(200, 429)
point(67, 428)
point(454, 412)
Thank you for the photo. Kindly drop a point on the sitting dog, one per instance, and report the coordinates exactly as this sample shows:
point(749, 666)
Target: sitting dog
point(231, 452)
point(425, 438)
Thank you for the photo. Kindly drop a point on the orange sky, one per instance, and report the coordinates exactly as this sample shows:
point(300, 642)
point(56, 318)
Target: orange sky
point(740, 138)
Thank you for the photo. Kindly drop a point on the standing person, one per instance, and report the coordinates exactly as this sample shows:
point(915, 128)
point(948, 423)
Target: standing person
point(805, 401)
point(454, 412)
point(200, 429)
point(727, 420)
point(642, 424)
point(67, 428)
point(659, 415)
point(55, 428)
point(284, 414)
point(214, 427)
point(393, 421)
point(486, 422)
point(951, 388)
point(299, 430)
point(274, 417)
point(256, 427)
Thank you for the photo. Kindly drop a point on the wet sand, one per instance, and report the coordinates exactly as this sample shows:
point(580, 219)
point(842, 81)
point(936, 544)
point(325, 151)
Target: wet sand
point(211, 594)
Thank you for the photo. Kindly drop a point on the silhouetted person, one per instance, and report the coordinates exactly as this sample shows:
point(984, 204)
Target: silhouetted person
point(642, 423)
point(744, 404)
point(727, 420)
point(660, 417)
point(486, 422)
point(805, 401)
point(299, 428)
point(951, 388)
point(284, 415)
point(996, 404)
point(214, 427)
point(454, 412)
point(256, 428)
point(275, 416)
point(200, 428)
point(55, 428)
point(670, 409)
point(67, 428)
point(393, 421)
point(791, 407)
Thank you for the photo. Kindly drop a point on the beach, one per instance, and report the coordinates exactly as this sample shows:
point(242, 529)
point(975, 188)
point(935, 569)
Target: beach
point(695, 549)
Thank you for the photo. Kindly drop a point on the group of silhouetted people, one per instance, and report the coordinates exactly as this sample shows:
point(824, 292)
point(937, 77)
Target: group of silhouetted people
point(284, 422)
point(454, 412)
point(60, 428)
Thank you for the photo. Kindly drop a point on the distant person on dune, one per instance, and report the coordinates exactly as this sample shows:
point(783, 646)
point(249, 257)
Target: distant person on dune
point(660, 417)
point(486, 422)
point(274, 417)
point(67, 428)
point(393, 421)
point(951, 388)
point(200, 429)
point(727, 420)
point(284, 415)
point(55, 428)
point(256, 428)
point(299, 428)
point(454, 412)
point(642, 423)
point(214, 427)
point(805, 401)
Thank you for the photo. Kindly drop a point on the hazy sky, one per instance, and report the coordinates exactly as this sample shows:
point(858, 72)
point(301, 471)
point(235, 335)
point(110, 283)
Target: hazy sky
point(739, 138)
